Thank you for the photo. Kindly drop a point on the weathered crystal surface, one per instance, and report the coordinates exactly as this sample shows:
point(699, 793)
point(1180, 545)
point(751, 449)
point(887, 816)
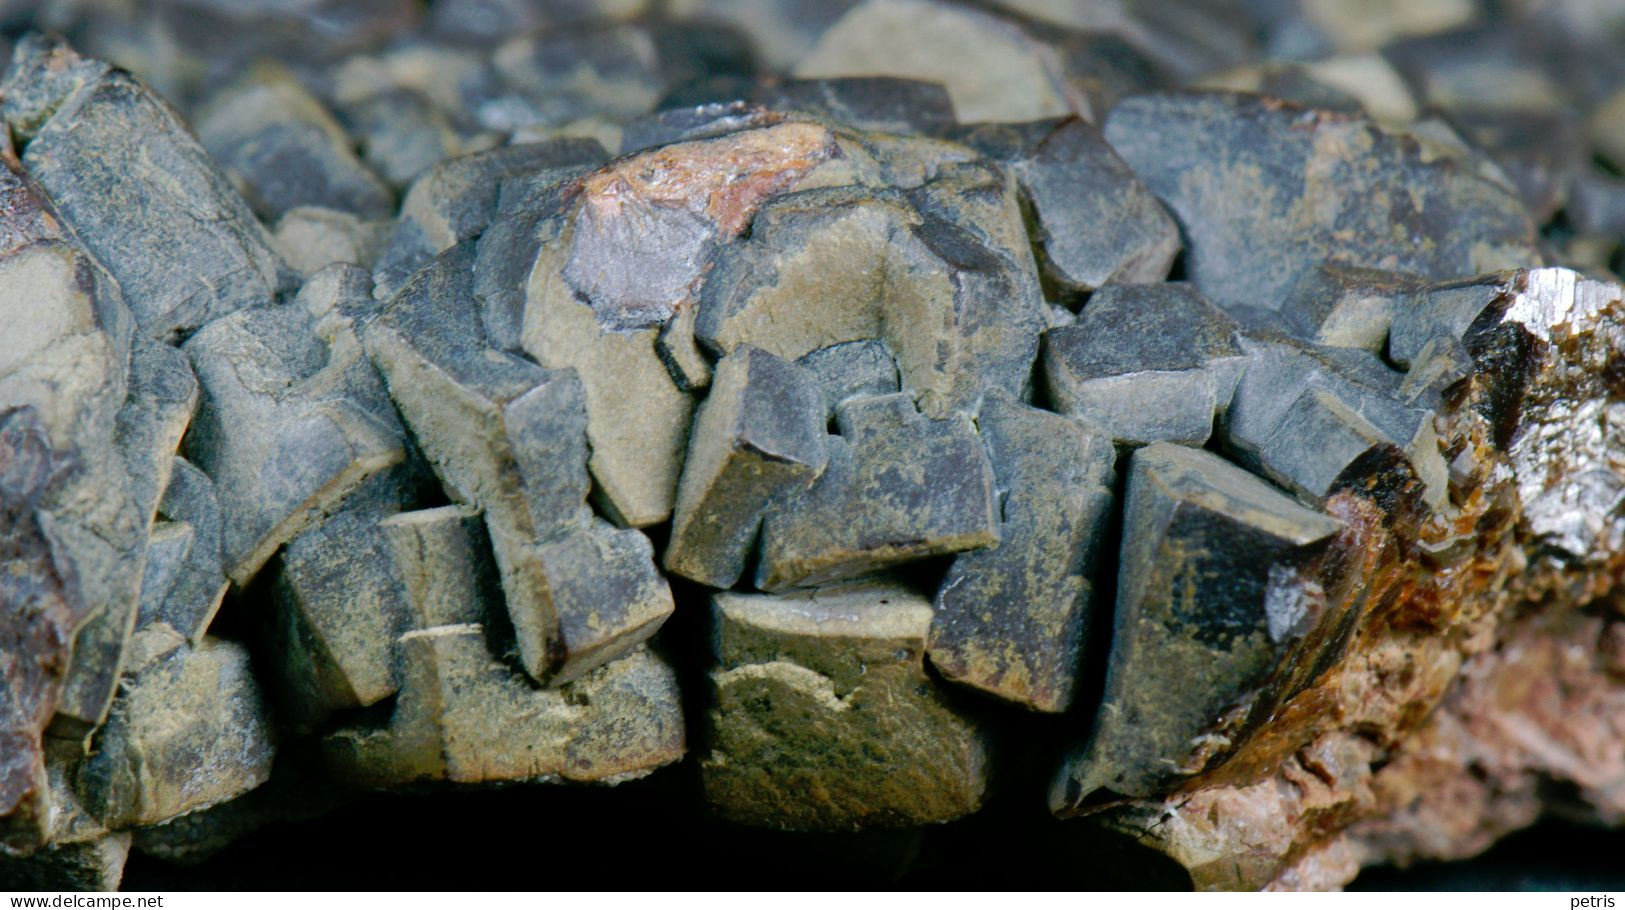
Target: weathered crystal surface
point(826, 692)
point(1200, 420)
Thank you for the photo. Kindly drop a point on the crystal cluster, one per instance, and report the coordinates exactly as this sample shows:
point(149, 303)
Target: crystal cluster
point(1231, 387)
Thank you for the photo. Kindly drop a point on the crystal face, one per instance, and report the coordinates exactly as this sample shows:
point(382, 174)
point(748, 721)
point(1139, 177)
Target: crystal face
point(1200, 422)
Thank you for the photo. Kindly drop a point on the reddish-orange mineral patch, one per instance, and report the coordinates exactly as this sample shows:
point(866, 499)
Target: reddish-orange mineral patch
point(725, 179)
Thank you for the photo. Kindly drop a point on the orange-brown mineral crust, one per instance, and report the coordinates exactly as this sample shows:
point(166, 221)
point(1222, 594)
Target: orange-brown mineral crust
point(726, 180)
point(1463, 675)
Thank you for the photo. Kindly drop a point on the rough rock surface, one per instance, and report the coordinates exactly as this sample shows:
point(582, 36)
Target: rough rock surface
point(899, 486)
point(159, 214)
point(200, 584)
point(758, 439)
point(996, 65)
point(464, 717)
point(289, 425)
point(189, 731)
point(1147, 363)
point(512, 438)
point(1441, 596)
point(1265, 191)
point(286, 149)
point(1207, 593)
point(1094, 222)
point(1208, 408)
point(1013, 619)
point(457, 199)
point(338, 610)
point(825, 692)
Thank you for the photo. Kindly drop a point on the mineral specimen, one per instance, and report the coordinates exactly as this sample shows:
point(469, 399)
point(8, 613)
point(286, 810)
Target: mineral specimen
point(510, 437)
point(1095, 223)
point(339, 610)
point(95, 865)
point(1265, 191)
point(158, 213)
point(441, 559)
point(309, 238)
point(1302, 415)
point(1012, 619)
point(464, 717)
point(288, 426)
point(1208, 590)
point(851, 369)
point(1346, 307)
point(898, 486)
point(456, 200)
point(1147, 363)
point(185, 710)
point(825, 692)
point(758, 438)
point(1207, 411)
point(961, 318)
point(286, 148)
point(995, 66)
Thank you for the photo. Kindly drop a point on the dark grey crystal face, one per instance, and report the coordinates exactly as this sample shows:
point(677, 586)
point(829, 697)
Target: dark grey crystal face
point(1199, 420)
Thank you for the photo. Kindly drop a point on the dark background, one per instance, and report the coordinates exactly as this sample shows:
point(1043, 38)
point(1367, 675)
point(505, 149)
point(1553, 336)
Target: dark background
point(654, 834)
